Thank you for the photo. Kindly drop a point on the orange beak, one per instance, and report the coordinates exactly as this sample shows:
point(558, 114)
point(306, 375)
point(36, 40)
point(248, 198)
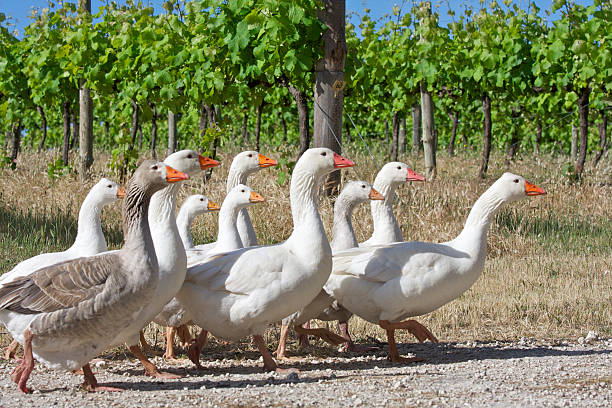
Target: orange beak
point(266, 161)
point(341, 162)
point(532, 189)
point(375, 195)
point(207, 163)
point(256, 198)
point(212, 206)
point(172, 175)
point(414, 176)
point(120, 192)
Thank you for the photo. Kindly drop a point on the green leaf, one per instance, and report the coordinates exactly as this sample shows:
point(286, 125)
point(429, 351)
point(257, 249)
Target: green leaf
point(587, 72)
point(290, 60)
point(478, 73)
point(538, 82)
point(295, 13)
point(236, 5)
point(556, 50)
point(579, 47)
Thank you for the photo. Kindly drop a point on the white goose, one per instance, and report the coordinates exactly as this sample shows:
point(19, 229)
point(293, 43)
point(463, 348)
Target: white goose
point(65, 314)
point(386, 231)
point(237, 294)
point(170, 254)
point(386, 228)
point(353, 193)
point(89, 240)
point(387, 283)
point(193, 206)
point(228, 239)
point(243, 165)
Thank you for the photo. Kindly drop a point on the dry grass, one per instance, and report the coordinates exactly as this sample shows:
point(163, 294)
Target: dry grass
point(548, 272)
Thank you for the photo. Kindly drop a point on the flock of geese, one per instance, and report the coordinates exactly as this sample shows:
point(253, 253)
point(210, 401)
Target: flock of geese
point(66, 308)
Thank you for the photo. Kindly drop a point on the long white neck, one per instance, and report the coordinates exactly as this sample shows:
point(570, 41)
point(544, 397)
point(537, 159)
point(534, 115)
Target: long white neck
point(245, 226)
point(228, 238)
point(342, 230)
point(386, 228)
point(89, 235)
point(236, 176)
point(474, 235)
point(308, 238)
point(183, 222)
point(163, 205)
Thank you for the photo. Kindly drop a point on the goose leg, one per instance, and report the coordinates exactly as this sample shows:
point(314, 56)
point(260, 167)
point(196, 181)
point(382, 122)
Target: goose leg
point(269, 363)
point(303, 338)
point(394, 355)
point(143, 343)
point(184, 335)
point(169, 354)
point(22, 372)
point(10, 350)
point(348, 345)
point(282, 342)
point(196, 348)
point(91, 384)
point(417, 329)
point(149, 367)
point(323, 334)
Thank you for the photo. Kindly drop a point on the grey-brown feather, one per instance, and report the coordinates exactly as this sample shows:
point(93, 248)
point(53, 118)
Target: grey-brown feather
point(70, 297)
point(57, 287)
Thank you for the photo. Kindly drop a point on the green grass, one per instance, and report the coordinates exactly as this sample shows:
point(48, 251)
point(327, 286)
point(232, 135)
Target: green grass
point(572, 234)
point(25, 233)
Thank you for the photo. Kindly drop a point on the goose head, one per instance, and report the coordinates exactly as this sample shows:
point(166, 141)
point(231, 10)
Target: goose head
point(189, 162)
point(396, 173)
point(320, 161)
point(242, 196)
point(250, 161)
point(197, 204)
point(152, 176)
point(107, 191)
point(357, 191)
point(511, 187)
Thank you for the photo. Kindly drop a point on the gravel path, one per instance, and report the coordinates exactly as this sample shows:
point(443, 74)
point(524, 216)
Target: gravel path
point(500, 374)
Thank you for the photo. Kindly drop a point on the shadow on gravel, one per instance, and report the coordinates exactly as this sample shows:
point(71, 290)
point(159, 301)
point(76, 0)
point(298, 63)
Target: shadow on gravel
point(450, 353)
point(433, 354)
point(192, 384)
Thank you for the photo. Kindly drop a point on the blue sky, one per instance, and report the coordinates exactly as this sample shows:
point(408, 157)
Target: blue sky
point(21, 9)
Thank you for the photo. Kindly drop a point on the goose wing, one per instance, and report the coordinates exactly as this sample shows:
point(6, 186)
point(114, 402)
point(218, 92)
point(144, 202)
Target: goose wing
point(242, 271)
point(383, 263)
point(58, 286)
point(375, 264)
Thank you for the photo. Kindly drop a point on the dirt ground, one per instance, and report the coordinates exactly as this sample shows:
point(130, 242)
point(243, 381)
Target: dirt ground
point(527, 372)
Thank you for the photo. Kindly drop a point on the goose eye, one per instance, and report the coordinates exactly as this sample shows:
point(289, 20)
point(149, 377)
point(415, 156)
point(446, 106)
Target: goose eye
point(250, 155)
point(399, 167)
point(154, 167)
point(109, 186)
point(243, 191)
point(324, 154)
point(189, 156)
point(516, 180)
point(201, 199)
point(363, 186)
